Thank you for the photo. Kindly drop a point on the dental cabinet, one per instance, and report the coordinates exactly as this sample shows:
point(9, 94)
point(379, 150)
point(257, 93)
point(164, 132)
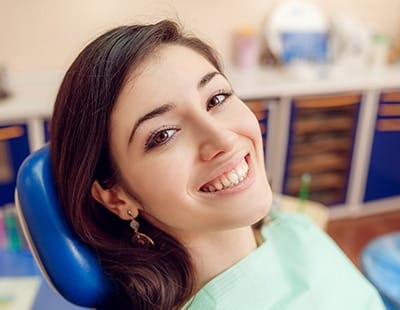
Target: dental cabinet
point(342, 129)
point(24, 117)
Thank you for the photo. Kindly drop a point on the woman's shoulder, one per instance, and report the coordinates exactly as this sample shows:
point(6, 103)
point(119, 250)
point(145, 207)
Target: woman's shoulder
point(297, 234)
point(312, 256)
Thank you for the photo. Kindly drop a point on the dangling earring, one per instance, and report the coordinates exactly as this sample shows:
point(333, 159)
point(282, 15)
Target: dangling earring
point(139, 238)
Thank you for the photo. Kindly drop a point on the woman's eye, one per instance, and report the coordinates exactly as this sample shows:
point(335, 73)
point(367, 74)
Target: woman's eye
point(217, 100)
point(160, 137)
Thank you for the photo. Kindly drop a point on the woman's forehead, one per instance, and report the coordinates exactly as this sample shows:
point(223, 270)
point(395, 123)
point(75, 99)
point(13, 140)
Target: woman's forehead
point(168, 67)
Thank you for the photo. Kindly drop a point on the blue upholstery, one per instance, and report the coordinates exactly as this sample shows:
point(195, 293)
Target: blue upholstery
point(66, 262)
point(380, 261)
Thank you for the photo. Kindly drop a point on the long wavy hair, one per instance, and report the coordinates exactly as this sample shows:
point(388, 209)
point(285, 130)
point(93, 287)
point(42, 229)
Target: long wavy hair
point(158, 278)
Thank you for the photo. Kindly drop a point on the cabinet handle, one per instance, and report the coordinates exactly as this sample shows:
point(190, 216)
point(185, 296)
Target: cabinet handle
point(389, 109)
point(327, 102)
point(391, 97)
point(391, 124)
point(11, 132)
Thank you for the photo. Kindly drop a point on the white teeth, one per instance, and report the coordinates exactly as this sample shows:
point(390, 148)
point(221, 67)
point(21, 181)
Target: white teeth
point(230, 179)
point(240, 171)
point(218, 185)
point(225, 181)
point(245, 166)
point(232, 176)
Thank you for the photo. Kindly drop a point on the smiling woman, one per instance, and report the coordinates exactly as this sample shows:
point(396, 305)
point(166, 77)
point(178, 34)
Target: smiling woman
point(160, 169)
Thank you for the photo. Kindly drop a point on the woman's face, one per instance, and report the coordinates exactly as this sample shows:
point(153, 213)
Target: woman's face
point(187, 147)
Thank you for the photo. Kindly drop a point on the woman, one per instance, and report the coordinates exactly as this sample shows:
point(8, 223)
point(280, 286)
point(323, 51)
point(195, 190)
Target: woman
point(160, 169)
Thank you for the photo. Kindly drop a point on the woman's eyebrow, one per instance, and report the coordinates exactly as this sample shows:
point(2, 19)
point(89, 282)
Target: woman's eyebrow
point(156, 112)
point(207, 78)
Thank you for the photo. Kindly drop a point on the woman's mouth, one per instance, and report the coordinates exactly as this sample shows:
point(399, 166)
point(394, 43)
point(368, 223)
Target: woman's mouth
point(229, 179)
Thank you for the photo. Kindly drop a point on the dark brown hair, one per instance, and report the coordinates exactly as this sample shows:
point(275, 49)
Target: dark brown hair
point(159, 278)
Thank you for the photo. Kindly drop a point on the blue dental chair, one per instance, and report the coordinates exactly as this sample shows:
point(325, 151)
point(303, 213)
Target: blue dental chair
point(69, 266)
point(380, 262)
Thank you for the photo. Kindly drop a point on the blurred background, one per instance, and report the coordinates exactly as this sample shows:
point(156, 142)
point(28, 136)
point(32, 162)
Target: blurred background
point(322, 77)
point(44, 34)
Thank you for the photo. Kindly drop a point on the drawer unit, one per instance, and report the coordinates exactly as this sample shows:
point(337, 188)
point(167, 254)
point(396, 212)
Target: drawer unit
point(321, 136)
point(383, 178)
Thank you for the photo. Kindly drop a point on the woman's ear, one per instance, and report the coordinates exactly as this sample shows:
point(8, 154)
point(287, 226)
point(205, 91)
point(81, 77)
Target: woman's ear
point(115, 200)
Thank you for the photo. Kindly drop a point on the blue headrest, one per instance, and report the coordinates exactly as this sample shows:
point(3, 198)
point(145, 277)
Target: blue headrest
point(70, 265)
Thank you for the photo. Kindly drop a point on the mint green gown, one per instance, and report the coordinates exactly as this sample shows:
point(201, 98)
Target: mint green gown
point(298, 267)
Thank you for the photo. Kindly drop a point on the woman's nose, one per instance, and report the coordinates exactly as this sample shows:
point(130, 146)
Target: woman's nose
point(216, 140)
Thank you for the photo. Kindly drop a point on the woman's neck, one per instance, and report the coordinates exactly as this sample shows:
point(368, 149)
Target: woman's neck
point(217, 251)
